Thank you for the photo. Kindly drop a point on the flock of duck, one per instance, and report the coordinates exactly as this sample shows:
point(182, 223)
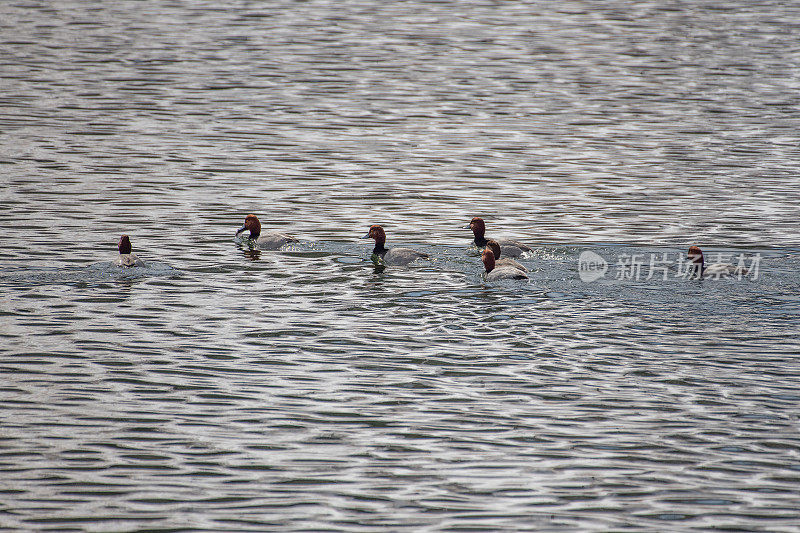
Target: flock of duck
point(496, 267)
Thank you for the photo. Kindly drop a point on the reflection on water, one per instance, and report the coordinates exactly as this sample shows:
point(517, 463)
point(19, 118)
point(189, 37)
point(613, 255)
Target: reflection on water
point(252, 253)
point(227, 388)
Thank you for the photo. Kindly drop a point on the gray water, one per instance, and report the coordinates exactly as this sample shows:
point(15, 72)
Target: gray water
point(224, 388)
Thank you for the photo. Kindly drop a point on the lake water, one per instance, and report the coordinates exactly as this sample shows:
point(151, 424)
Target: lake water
point(228, 389)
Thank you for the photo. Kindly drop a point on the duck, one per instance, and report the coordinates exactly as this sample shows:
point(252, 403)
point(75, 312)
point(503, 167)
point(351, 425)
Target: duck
point(501, 261)
point(390, 256)
point(265, 241)
point(509, 248)
point(697, 268)
point(500, 272)
point(126, 258)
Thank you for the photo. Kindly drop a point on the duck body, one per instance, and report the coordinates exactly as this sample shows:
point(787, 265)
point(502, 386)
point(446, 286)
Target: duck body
point(398, 256)
point(265, 241)
point(513, 248)
point(505, 272)
point(273, 240)
point(509, 248)
point(391, 256)
point(127, 259)
point(497, 273)
point(721, 270)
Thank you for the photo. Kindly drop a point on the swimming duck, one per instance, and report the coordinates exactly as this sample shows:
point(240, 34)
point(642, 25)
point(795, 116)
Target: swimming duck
point(265, 241)
point(501, 272)
point(500, 261)
point(390, 256)
point(126, 258)
point(509, 248)
point(697, 268)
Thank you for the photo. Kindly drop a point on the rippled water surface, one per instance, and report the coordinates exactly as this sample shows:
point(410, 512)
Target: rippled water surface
point(226, 388)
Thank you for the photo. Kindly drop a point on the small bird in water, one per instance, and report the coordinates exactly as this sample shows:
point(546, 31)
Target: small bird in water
point(500, 272)
point(265, 241)
point(126, 258)
point(390, 256)
point(509, 248)
point(500, 261)
point(697, 268)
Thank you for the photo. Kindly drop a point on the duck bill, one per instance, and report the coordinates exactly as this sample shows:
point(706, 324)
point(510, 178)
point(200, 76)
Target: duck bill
point(365, 236)
point(238, 231)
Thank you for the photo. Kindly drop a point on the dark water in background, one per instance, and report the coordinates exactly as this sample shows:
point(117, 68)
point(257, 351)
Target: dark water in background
point(224, 389)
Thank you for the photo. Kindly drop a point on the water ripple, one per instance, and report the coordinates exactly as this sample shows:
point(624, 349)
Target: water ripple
point(223, 388)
